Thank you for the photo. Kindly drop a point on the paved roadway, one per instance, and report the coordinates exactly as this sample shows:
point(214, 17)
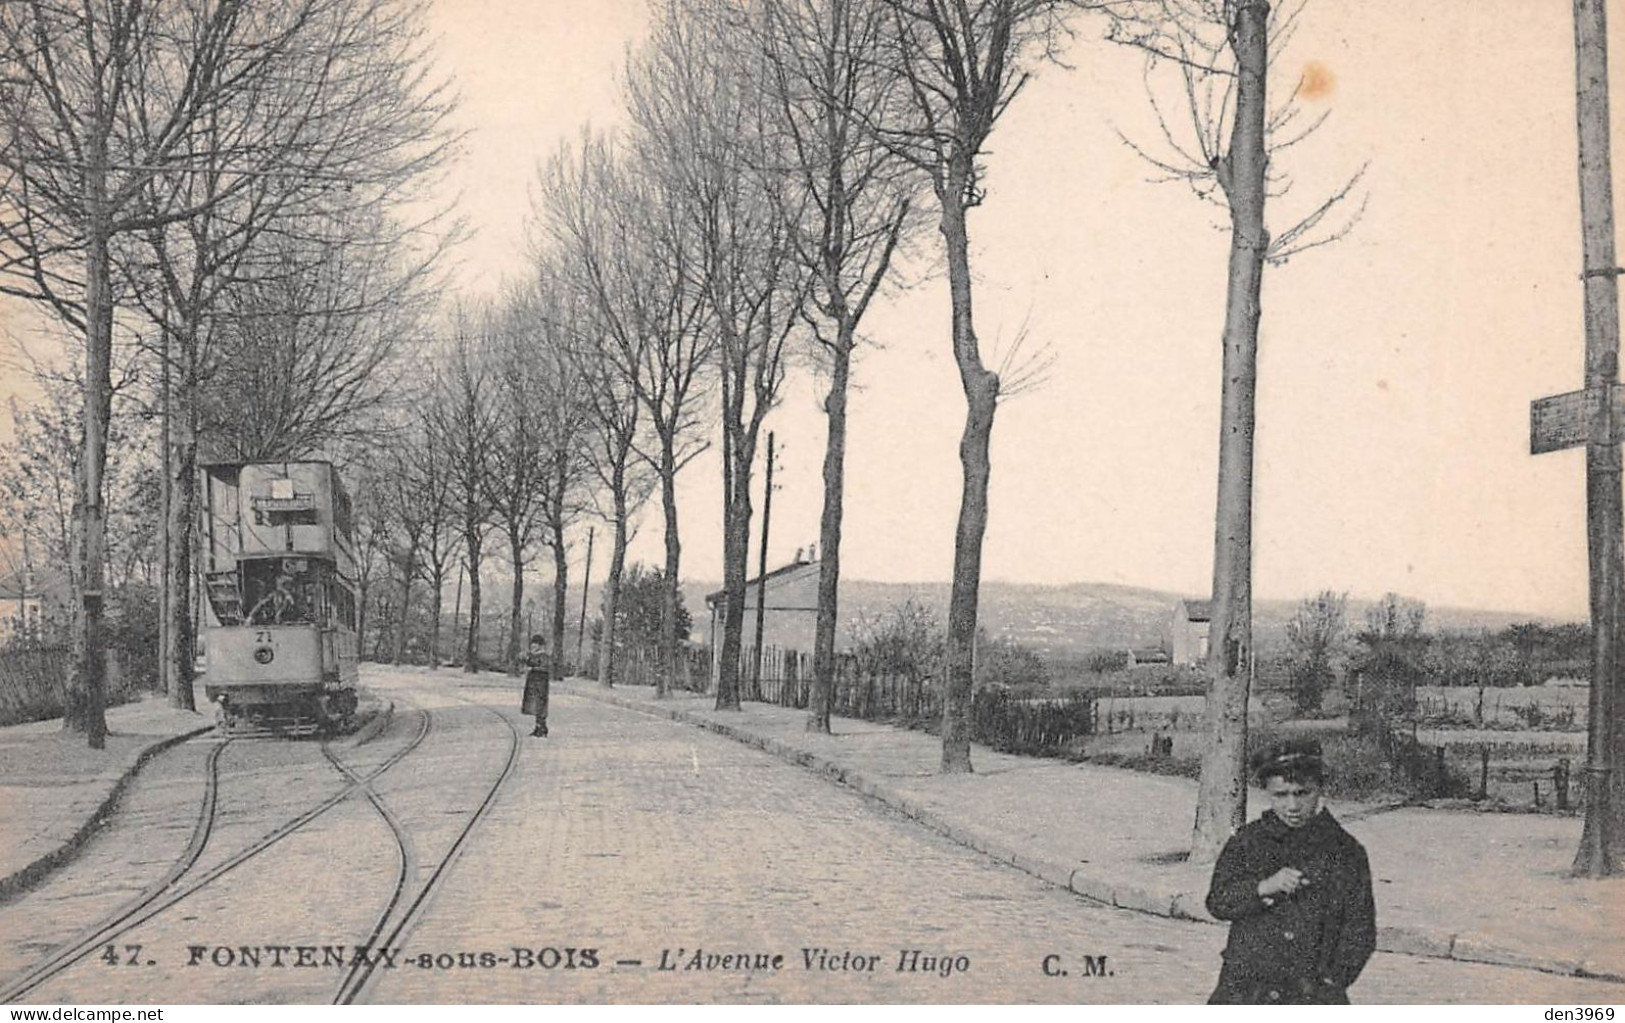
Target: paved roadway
point(619, 844)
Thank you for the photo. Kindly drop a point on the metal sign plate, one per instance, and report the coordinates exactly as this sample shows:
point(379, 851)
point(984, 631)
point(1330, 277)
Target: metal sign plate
point(1567, 420)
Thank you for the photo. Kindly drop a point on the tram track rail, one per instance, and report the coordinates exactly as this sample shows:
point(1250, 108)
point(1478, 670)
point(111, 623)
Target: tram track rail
point(169, 889)
point(396, 922)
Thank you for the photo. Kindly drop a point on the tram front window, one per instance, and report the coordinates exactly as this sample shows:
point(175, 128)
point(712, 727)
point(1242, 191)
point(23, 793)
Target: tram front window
point(280, 592)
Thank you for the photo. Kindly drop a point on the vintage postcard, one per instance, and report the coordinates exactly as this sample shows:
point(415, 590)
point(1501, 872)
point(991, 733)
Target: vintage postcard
point(810, 501)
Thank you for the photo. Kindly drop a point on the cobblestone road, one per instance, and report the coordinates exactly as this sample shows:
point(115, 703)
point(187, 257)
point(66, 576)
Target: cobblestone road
point(622, 844)
point(634, 836)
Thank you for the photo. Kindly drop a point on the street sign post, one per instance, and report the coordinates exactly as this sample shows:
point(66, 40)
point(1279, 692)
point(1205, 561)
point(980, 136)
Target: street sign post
point(1592, 417)
point(1570, 420)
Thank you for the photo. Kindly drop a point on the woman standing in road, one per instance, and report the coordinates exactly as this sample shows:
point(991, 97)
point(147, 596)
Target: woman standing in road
point(538, 668)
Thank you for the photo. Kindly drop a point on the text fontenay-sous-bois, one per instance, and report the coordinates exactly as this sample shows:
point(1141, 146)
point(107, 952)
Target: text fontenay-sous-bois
point(925, 962)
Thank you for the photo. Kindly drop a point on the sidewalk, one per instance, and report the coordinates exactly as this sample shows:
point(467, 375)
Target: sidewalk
point(55, 791)
point(1477, 887)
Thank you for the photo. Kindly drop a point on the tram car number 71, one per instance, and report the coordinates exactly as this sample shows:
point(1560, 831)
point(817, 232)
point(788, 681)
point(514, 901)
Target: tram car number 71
point(278, 566)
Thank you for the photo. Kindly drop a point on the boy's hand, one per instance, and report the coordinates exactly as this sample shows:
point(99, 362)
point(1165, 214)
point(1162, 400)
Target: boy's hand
point(1285, 881)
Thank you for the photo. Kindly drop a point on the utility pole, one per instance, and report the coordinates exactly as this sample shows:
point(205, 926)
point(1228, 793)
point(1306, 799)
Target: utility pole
point(586, 584)
point(761, 577)
point(1593, 417)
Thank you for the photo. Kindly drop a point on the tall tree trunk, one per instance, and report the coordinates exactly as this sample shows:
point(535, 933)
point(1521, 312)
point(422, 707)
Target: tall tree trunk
point(166, 534)
point(667, 675)
point(829, 536)
point(981, 401)
point(180, 528)
point(515, 599)
point(437, 604)
point(471, 648)
point(561, 590)
point(86, 703)
point(612, 586)
point(363, 593)
point(1221, 805)
point(735, 552)
point(406, 606)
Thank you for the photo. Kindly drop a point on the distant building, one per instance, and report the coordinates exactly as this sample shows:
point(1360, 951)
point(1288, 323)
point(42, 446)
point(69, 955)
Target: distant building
point(23, 601)
point(789, 616)
point(1188, 632)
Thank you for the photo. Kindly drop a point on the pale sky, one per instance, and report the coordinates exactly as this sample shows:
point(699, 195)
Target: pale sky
point(1397, 365)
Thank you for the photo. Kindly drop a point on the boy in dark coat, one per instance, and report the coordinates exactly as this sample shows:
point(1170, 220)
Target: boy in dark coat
point(537, 669)
point(1296, 889)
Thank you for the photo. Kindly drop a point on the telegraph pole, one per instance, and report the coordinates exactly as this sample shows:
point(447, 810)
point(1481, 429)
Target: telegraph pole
point(761, 577)
point(1594, 417)
point(586, 584)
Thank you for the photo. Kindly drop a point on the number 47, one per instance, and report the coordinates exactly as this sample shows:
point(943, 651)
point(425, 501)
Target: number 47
point(132, 955)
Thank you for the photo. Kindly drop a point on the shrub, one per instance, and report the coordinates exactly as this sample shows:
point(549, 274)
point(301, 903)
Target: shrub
point(1006, 662)
point(1379, 763)
point(1033, 727)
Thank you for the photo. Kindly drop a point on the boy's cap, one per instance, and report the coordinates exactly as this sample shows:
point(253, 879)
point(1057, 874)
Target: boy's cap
point(1287, 755)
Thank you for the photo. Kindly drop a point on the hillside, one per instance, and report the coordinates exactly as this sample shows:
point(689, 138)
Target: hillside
point(1073, 620)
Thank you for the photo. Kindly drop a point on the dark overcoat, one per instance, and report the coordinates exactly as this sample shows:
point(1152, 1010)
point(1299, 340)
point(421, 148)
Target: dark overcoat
point(1307, 947)
point(538, 669)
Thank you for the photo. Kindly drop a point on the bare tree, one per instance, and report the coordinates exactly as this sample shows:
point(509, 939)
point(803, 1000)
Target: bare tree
point(97, 99)
point(421, 483)
point(1315, 637)
point(852, 199)
point(354, 133)
point(409, 526)
point(105, 104)
point(545, 318)
point(633, 253)
point(465, 423)
point(433, 480)
point(610, 356)
point(520, 472)
point(963, 62)
point(695, 97)
point(622, 479)
point(40, 463)
point(1220, 53)
point(305, 356)
point(372, 539)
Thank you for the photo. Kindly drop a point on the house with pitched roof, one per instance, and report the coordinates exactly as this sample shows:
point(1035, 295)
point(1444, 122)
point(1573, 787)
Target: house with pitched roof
point(1188, 632)
point(789, 611)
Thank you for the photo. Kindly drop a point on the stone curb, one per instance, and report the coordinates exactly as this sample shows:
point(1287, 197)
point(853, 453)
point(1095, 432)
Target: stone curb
point(21, 880)
point(375, 724)
point(1179, 905)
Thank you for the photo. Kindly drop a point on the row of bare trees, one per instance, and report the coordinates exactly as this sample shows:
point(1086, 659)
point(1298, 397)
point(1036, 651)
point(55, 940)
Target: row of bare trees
point(221, 204)
point(783, 157)
point(489, 456)
point(235, 178)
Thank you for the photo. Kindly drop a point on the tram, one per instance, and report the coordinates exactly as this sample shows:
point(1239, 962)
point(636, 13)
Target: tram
point(277, 570)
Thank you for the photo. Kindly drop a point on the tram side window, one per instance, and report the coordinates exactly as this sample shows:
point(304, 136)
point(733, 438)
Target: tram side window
point(280, 591)
point(341, 605)
point(343, 516)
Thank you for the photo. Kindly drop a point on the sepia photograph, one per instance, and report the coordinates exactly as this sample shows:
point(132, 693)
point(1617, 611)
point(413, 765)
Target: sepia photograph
point(787, 502)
